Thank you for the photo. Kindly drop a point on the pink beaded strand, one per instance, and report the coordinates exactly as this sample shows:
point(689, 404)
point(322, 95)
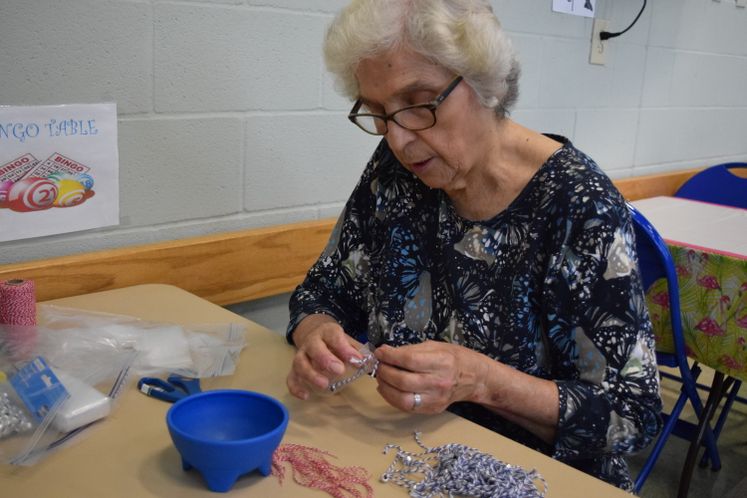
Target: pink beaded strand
point(312, 470)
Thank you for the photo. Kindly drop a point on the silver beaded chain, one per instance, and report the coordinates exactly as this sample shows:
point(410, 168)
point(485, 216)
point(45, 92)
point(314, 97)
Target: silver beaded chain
point(458, 470)
point(366, 365)
point(12, 418)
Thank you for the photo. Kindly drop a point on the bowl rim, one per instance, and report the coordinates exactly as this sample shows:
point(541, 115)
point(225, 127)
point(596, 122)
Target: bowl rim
point(279, 428)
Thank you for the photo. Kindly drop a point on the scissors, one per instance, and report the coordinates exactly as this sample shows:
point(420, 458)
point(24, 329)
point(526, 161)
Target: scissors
point(174, 388)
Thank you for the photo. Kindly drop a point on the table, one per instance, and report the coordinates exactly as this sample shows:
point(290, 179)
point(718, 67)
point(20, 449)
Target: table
point(708, 243)
point(130, 454)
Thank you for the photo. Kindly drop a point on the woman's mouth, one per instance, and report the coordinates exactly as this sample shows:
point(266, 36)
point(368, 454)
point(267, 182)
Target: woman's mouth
point(421, 165)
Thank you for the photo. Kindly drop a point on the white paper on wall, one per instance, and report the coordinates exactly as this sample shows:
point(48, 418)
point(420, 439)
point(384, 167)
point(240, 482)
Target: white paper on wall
point(585, 8)
point(59, 169)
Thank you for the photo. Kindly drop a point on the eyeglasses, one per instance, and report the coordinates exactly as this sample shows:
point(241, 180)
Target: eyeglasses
point(413, 117)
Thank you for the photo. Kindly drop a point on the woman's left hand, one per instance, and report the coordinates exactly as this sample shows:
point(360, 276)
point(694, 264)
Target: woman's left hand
point(429, 376)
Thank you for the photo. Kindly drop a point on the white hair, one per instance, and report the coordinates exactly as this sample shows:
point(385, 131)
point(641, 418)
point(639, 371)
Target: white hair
point(463, 36)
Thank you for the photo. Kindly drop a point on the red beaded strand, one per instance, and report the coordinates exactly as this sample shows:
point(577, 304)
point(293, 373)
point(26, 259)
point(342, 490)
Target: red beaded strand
point(312, 470)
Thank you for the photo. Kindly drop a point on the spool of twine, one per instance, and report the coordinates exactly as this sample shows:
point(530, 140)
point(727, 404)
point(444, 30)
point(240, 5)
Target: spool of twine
point(18, 319)
point(17, 302)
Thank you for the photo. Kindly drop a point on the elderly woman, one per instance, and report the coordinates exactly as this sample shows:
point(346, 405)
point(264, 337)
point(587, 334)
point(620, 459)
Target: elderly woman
point(493, 267)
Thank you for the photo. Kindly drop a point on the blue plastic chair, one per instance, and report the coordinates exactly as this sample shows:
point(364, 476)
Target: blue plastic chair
point(655, 262)
point(718, 185)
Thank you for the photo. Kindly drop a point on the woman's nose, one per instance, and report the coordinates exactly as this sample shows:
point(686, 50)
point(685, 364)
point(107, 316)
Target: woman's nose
point(398, 137)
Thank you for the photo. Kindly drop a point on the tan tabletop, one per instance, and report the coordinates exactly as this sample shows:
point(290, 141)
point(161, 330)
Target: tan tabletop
point(130, 453)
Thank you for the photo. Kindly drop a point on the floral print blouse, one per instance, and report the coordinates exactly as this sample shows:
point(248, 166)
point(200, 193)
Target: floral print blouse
point(549, 286)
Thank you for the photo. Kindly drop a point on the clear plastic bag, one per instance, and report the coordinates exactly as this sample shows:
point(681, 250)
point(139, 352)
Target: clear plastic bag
point(205, 350)
point(91, 356)
point(42, 406)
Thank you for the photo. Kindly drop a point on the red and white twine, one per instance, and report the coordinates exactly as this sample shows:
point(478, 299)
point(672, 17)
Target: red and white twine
point(312, 470)
point(17, 302)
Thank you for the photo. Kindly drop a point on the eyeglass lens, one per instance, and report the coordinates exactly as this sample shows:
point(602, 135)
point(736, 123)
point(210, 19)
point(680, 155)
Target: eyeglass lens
point(414, 118)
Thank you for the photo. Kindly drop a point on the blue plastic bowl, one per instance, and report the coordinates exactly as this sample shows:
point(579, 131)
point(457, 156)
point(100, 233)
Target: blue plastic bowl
point(227, 433)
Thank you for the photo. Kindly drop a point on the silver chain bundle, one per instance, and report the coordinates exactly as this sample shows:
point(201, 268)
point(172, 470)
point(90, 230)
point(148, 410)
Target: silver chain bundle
point(366, 365)
point(12, 418)
point(458, 470)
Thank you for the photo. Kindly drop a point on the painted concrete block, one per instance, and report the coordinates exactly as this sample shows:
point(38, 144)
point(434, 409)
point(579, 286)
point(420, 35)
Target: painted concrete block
point(219, 58)
point(77, 52)
point(179, 169)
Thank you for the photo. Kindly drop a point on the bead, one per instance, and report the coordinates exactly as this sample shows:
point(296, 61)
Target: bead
point(32, 194)
point(70, 193)
point(12, 418)
point(368, 364)
point(458, 470)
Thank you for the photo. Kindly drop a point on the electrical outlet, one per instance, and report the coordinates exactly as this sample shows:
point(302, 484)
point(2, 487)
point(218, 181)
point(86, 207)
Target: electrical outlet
point(598, 54)
point(742, 3)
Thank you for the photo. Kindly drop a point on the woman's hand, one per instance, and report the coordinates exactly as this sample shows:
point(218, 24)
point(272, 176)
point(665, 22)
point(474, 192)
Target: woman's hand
point(428, 377)
point(323, 350)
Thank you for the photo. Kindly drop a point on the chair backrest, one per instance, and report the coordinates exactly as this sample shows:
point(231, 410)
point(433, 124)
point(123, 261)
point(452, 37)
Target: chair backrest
point(655, 262)
point(717, 184)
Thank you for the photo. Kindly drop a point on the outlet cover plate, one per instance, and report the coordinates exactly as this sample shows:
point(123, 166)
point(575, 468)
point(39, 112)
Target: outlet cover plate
point(597, 54)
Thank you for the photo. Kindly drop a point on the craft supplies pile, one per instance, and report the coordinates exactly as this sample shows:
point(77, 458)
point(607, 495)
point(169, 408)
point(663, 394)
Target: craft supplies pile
point(62, 370)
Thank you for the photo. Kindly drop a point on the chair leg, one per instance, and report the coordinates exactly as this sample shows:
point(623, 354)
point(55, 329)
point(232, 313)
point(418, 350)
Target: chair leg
point(722, 417)
point(666, 431)
point(706, 439)
point(709, 440)
point(719, 387)
point(702, 387)
point(727, 406)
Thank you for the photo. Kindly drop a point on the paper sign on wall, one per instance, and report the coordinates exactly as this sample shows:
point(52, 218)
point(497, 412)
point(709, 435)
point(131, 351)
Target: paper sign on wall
point(584, 8)
point(59, 169)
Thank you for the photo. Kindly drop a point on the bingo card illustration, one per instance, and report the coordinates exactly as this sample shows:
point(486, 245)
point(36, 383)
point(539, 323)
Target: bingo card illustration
point(58, 169)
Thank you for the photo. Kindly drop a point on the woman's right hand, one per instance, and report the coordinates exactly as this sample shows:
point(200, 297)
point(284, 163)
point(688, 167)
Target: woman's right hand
point(323, 350)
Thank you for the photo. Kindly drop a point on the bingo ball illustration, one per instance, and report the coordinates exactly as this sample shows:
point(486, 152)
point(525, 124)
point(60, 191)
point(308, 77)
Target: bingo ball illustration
point(55, 177)
point(32, 194)
point(70, 193)
point(86, 180)
point(5, 186)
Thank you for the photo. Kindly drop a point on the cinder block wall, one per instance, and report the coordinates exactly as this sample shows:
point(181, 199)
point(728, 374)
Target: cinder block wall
point(227, 119)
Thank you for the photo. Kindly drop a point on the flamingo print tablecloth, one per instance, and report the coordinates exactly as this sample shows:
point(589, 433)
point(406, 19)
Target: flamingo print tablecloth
point(709, 247)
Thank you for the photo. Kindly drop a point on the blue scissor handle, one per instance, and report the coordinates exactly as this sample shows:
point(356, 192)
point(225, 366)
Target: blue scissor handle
point(174, 388)
point(186, 384)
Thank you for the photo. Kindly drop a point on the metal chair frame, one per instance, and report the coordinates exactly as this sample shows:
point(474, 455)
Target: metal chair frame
point(655, 262)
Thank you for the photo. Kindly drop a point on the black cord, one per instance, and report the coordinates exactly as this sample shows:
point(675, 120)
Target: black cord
point(606, 35)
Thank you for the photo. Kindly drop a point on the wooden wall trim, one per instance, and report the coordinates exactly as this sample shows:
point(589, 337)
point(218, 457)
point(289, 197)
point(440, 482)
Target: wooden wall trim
point(643, 187)
point(230, 267)
point(226, 268)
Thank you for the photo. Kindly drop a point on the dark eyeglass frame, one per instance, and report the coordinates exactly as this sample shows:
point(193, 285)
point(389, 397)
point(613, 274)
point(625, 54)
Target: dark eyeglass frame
point(353, 115)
